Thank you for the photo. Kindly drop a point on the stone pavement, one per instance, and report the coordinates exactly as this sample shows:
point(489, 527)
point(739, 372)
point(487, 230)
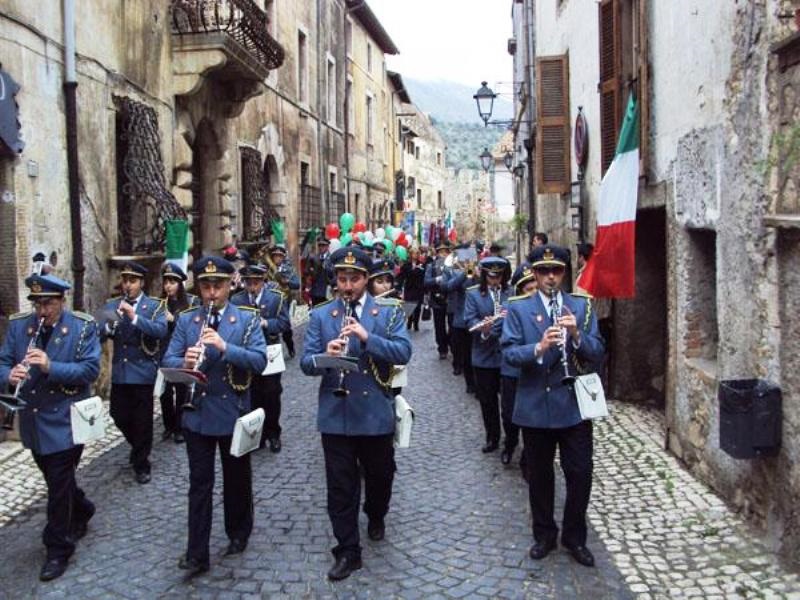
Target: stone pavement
point(458, 526)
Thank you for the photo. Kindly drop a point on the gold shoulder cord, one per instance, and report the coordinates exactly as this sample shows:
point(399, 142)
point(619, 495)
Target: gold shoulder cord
point(143, 339)
point(586, 323)
point(386, 384)
point(72, 390)
point(231, 371)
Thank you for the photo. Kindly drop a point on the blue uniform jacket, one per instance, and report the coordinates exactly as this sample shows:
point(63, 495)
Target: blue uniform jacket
point(368, 409)
point(137, 348)
point(485, 351)
point(542, 400)
point(225, 398)
point(506, 369)
point(319, 283)
point(272, 307)
point(455, 284)
point(435, 269)
point(74, 353)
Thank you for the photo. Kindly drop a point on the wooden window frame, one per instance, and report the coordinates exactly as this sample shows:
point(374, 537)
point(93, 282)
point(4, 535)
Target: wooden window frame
point(553, 159)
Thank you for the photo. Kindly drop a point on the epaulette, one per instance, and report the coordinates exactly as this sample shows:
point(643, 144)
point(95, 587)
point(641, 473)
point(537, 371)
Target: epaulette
point(582, 295)
point(189, 309)
point(250, 308)
point(474, 287)
point(520, 297)
point(321, 304)
point(20, 315)
point(387, 302)
point(274, 291)
point(82, 315)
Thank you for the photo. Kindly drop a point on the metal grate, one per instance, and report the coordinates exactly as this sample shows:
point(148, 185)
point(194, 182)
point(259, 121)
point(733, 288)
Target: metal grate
point(310, 207)
point(254, 197)
point(336, 206)
point(144, 203)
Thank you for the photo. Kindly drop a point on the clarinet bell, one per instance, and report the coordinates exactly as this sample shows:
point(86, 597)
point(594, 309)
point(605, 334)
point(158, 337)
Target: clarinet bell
point(341, 392)
point(567, 380)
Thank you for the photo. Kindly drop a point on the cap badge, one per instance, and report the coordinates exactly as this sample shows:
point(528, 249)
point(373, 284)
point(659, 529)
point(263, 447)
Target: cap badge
point(349, 259)
point(168, 269)
point(548, 254)
point(210, 267)
point(36, 288)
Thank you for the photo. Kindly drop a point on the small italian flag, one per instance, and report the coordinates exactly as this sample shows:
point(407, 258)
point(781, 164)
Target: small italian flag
point(177, 250)
point(610, 272)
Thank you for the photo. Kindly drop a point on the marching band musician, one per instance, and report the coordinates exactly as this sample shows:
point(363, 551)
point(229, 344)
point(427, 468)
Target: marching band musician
point(286, 280)
point(356, 414)
point(456, 281)
point(525, 285)
point(317, 273)
point(434, 278)
point(226, 343)
point(274, 311)
point(545, 406)
point(55, 365)
point(176, 300)
point(137, 347)
point(483, 317)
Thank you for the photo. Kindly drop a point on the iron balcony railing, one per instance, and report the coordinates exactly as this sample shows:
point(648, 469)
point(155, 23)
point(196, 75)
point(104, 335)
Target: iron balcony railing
point(242, 20)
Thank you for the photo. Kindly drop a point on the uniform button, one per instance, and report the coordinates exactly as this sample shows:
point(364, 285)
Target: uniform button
point(33, 392)
point(203, 394)
point(124, 345)
point(224, 395)
point(547, 389)
point(124, 360)
point(365, 371)
point(52, 392)
point(36, 410)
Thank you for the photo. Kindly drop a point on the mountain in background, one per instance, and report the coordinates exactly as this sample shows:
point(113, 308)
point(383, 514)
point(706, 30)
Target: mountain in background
point(455, 115)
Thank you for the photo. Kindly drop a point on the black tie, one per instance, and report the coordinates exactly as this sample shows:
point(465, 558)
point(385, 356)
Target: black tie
point(44, 336)
point(353, 307)
point(213, 320)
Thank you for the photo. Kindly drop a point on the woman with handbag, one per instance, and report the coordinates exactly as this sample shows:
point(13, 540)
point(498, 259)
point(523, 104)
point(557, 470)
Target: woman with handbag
point(177, 299)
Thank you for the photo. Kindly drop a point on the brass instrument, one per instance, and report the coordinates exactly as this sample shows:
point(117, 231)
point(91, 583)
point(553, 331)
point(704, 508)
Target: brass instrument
point(341, 391)
point(13, 403)
point(190, 404)
point(567, 379)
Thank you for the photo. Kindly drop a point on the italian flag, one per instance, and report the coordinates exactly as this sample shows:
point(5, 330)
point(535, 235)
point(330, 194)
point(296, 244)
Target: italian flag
point(610, 272)
point(177, 251)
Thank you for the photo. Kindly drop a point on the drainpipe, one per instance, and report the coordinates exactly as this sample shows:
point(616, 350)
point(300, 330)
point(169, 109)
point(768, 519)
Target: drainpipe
point(322, 70)
point(530, 144)
point(71, 114)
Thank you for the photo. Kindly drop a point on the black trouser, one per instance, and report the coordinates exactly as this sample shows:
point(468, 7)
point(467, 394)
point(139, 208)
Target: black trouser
point(440, 328)
point(265, 392)
point(67, 505)
point(462, 354)
point(237, 492)
point(343, 454)
point(575, 450)
point(172, 401)
point(487, 388)
point(413, 318)
point(508, 391)
point(288, 339)
point(132, 411)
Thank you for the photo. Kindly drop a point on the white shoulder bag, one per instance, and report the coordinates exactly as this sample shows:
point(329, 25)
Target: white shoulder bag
point(591, 396)
point(87, 420)
point(400, 378)
point(275, 363)
point(404, 419)
point(247, 432)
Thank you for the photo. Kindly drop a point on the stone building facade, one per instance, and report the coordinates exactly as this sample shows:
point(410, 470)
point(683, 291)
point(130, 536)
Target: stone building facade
point(717, 253)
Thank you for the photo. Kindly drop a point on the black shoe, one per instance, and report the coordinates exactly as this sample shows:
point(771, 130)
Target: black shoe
point(79, 531)
point(291, 353)
point(442, 355)
point(344, 566)
point(490, 447)
point(376, 530)
point(541, 549)
point(142, 477)
point(52, 569)
point(457, 371)
point(194, 566)
point(505, 456)
point(236, 546)
point(275, 445)
point(177, 437)
point(581, 554)
point(470, 390)
point(166, 435)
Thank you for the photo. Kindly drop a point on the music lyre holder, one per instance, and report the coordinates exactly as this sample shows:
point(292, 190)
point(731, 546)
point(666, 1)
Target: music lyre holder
point(11, 405)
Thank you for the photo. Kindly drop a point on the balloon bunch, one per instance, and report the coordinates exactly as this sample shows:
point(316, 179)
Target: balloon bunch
point(349, 232)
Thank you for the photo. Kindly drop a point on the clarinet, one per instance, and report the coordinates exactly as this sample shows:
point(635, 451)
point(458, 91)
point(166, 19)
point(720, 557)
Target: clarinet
point(190, 405)
point(19, 403)
point(113, 327)
point(567, 379)
point(342, 391)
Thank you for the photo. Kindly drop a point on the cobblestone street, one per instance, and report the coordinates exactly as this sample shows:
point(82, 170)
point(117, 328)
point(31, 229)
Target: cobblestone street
point(458, 525)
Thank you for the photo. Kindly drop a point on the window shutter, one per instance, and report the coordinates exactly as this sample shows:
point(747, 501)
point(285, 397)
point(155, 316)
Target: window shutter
point(610, 69)
point(552, 147)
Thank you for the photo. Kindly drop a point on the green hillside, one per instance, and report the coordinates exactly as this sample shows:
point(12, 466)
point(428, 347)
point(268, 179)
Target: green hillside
point(466, 141)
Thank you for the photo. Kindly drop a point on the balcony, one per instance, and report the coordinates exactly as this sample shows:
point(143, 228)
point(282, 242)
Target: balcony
point(223, 39)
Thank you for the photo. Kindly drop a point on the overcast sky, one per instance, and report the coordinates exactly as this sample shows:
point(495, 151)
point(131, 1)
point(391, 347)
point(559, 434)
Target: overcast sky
point(454, 40)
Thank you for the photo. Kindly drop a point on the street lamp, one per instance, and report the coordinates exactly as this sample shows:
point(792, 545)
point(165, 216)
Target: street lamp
point(486, 159)
point(508, 160)
point(484, 98)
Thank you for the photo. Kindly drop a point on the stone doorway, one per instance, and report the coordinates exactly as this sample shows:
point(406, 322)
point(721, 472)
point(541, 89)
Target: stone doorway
point(206, 211)
point(638, 340)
